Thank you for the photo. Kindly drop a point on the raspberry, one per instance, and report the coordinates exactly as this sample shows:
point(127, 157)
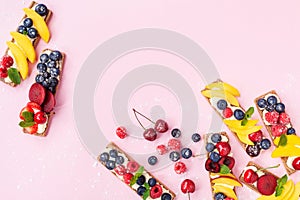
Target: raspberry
point(278, 130)
point(161, 149)
point(179, 167)
point(155, 191)
point(284, 119)
point(174, 144)
point(7, 61)
point(272, 117)
point(227, 112)
point(121, 132)
point(132, 166)
point(127, 178)
point(120, 170)
point(3, 72)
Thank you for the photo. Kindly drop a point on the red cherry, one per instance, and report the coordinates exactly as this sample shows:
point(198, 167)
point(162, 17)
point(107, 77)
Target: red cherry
point(150, 134)
point(32, 129)
point(3, 72)
point(161, 126)
point(256, 136)
point(127, 178)
point(228, 161)
point(223, 148)
point(25, 109)
point(187, 186)
point(7, 61)
point(227, 112)
point(121, 132)
point(179, 167)
point(211, 166)
point(296, 163)
point(40, 117)
point(250, 176)
point(34, 106)
point(156, 191)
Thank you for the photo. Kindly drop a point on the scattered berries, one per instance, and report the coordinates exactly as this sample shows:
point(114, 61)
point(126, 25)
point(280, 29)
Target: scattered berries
point(179, 167)
point(152, 160)
point(121, 132)
point(161, 149)
point(174, 144)
point(176, 133)
point(196, 137)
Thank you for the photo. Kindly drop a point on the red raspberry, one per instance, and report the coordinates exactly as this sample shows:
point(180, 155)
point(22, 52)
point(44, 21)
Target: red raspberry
point(227, 112)
point(228, 198)
point(256, 136)
point(174, 144)
point(127, 178)
point(121, 132)
point(156, 191)
point(179, 167)
point(120, 170)
point(272, 117)
point(161, 149)
point(278, 130)
point(7, 61)
point(132, 166)
point(284, 119)
point(3, 72)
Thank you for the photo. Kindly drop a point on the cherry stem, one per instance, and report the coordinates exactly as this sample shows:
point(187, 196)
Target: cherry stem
point(276, 166)
point(135, 111)
point(189, 196)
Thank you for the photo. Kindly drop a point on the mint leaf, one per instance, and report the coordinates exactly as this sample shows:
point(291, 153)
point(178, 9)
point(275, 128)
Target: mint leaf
point(282, 140)
point(26, 124)
point(244, 122)
point(224, 169)
point(14, 75)
point(249, 112)
point(28, 116)
point(280, 183)
point(138, 173)
point(147, 192)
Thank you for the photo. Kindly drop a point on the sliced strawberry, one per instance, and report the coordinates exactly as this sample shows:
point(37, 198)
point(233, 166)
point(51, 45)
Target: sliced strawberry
point(25, 109)
point(34, 106)
point(37, 93)
point(266, 184)
point(278, 130)
point(32, 129)
point(272, 117)
point(49, 102)
point(284, 119)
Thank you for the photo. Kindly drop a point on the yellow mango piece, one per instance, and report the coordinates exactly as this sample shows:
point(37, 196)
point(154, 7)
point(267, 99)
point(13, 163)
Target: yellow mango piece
point(225, 190)
point(237, 123)
point(244, 139)
point(286, 151)
point(245, 131)
point(224, 86)
point(222, 175)
point(296, 193)
point(291, 140)
point(39, 24)
point(25, 44)
point(221, 94)
point(228, 181)
point(20, 59)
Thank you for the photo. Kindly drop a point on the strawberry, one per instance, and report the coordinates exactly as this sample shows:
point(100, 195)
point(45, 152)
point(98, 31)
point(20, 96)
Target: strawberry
point(161, 149)
point(3, 72)
point(278, 130)
point(25, 109)
point(7, 61)
point(284, 119)
point(174, 144)
point(227, 112)
point(266, 184)
point(127, 178)
point(156, 191)
point(132, 166)
point(179, 167)
point(34, 106)
point(120, 170)
point(32, 129)
point(121, 132)
point(272, 117)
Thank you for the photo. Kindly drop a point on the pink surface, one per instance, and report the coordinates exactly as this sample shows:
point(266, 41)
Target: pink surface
point(254, 46)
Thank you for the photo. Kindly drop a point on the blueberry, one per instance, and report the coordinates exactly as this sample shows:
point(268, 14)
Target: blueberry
point(253, 150)
point(39, 78)
point(239, 114)
point(186, 153)
point(270, 108)
point(152, 182)
point(45, 74)
point(22, 29)
point(110, 165)
point(42, 67)
point(262, 103)
point(214, 156)
point(152, 160)
point(45, 84)
point(51, 64)
point(53, 81)
point(44, 58)
point(196, 137)
point(27, 22)
point(54, 72)
point(41, 9)
point(32, 33)
point(113, 153)
point(280, 107)
point(141, 190)
point(265, 144)
point(222, 104)
point(291, 131)
point(176, 133)
point(166, 196)
point(219, 196)
point(216, 137)
point(272, 100)
point(174, 156)
point(104, 157)
point(120, 160)
point(141, 180)
point(210, 147)
point(55, 56)
point(52, 89)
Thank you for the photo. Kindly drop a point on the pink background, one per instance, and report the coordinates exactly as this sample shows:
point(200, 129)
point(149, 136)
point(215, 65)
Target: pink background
point(254, 46)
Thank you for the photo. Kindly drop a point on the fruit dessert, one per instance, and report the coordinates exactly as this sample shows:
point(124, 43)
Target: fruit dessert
point(37, 114)
point(222, 97)
point(281, 130)
point(270, 186)
point(33, 26)
point(134, 175)
point(219, 164)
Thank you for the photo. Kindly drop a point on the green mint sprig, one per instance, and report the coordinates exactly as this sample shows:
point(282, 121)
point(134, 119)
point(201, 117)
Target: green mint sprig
point(280, 183)
point(248, 115)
